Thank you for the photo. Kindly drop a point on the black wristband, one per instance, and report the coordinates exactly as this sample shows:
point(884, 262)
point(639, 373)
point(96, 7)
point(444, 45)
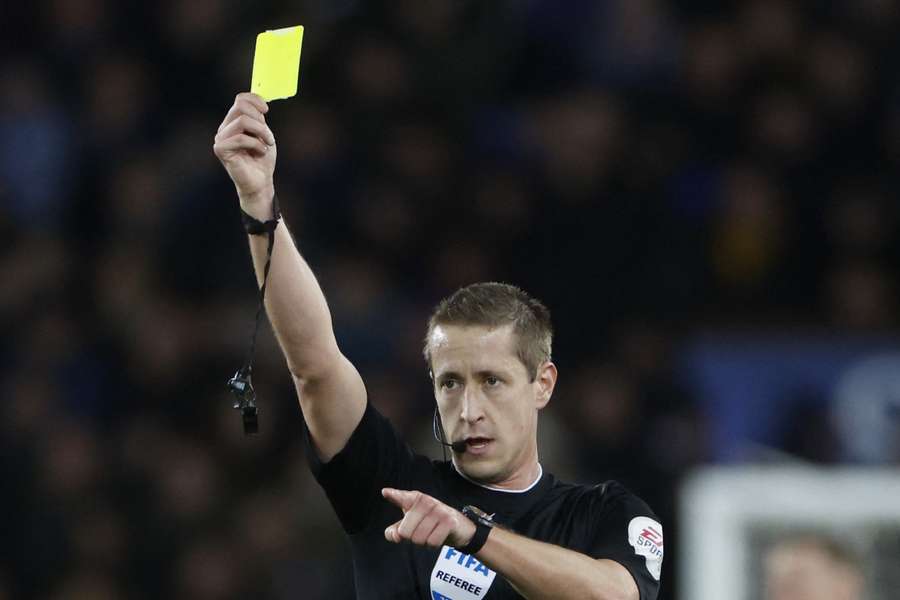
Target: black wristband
point(483, 525)
point(256, 227)
point(478, 540)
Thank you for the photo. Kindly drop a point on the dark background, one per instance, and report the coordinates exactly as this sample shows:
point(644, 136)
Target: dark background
point(678, 181)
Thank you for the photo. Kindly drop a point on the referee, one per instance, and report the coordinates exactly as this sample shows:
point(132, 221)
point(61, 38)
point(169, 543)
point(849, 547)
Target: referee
point(490, 523)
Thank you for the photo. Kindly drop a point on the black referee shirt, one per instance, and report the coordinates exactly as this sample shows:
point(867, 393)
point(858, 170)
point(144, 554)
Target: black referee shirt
point(601, 521)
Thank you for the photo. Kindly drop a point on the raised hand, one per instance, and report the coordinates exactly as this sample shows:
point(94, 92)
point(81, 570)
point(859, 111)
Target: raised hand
point(426, 521)
point(246, 147)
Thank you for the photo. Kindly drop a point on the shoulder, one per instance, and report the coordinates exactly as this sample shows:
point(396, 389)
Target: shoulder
point(613, 494)
point(602, 500)
point(615, 500)
point(624, 528)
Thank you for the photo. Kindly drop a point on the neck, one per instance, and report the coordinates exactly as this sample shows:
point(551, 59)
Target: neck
point(521, 481)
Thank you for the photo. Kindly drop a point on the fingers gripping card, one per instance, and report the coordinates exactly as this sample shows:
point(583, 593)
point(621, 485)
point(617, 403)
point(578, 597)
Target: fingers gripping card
point(276, 63)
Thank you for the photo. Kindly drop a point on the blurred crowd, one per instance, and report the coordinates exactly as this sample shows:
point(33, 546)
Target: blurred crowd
point(648, 168)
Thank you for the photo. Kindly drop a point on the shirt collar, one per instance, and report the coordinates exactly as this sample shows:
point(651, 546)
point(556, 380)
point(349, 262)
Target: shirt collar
point(497, 489)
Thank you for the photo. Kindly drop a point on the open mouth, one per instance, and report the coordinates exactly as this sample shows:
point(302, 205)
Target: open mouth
point(477, 445)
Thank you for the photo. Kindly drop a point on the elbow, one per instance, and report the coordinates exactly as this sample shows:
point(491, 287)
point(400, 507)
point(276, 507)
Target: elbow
point(615, 582)
point(628, 590)
point(314, 366)
point(309, 354)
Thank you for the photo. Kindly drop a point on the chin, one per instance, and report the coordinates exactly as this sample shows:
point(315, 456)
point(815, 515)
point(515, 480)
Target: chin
point(483, 471)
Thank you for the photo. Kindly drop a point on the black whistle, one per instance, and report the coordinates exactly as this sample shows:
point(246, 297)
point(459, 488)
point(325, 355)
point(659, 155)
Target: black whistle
point(241, 385)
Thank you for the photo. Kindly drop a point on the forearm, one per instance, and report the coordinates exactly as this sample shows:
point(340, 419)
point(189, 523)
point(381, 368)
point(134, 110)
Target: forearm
point(544, 571)
point(295, 304)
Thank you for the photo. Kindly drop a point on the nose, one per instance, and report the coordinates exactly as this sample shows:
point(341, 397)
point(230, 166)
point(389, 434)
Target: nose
point(472, 405)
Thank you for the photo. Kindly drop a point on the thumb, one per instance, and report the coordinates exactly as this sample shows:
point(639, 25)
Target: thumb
point(402, 499)
point(392, 534)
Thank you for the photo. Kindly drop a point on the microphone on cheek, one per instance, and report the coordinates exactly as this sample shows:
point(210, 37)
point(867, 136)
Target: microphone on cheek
point(458, 447)
point(438, 431)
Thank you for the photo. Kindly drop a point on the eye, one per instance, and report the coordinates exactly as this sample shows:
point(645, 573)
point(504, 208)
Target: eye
point(449, 384)
point(492, 381)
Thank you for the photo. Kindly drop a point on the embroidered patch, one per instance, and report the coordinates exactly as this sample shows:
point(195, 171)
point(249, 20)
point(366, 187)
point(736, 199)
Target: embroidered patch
point(646, 537)
point(458, 576)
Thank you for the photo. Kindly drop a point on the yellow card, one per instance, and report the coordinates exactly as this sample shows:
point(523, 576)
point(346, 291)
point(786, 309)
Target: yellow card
point(276, 63)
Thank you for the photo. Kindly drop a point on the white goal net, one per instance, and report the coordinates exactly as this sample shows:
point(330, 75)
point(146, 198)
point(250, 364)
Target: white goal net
point(732, 518)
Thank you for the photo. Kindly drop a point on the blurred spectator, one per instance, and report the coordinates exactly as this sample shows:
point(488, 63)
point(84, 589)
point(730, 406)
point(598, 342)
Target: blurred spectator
point(812, 567)
point(37, 154)
point(748, 236)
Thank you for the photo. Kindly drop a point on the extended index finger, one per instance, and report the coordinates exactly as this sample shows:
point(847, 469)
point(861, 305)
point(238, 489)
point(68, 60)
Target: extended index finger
point(402, 499)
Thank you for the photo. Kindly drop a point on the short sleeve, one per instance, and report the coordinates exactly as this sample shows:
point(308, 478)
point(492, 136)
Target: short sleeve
point(374, 457)
point(627, 531)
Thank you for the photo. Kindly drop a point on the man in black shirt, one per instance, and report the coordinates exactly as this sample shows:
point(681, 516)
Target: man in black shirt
point(487, 524)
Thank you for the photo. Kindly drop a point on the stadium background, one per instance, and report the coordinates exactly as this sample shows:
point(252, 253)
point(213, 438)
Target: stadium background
point(680, 181)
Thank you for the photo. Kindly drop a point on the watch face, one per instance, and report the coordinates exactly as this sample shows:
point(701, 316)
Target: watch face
point(479, 514)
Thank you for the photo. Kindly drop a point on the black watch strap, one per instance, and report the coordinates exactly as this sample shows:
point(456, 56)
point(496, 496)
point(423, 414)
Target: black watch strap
point(254, 226)
point(483, 526)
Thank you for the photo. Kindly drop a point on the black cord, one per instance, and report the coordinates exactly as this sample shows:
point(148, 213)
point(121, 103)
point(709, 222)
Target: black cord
point(262, 298)
point(437, 429)
point(241, 383)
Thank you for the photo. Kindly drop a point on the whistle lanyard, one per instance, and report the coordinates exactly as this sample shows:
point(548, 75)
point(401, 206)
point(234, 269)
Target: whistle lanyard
point(241, 383)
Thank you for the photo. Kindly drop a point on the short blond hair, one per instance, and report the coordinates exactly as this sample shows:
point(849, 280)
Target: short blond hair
point(493, 304)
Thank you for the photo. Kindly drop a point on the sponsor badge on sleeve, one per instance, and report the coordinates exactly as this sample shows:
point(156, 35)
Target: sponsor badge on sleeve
point(646, 537)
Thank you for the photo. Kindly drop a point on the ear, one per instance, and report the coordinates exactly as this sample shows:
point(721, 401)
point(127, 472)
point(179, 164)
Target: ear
point(545, 382)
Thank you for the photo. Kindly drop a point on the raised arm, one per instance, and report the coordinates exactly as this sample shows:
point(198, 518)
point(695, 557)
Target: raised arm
point(330, 389)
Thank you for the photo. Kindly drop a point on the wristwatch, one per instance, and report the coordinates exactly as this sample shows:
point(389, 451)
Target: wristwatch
point(483, 526)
